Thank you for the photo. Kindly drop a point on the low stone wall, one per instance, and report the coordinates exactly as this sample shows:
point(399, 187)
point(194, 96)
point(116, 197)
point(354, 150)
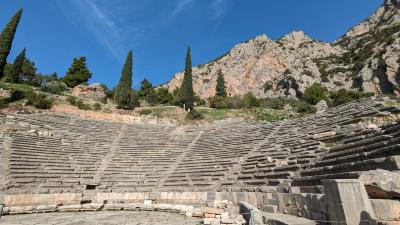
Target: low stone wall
point(41, 199)
point(311, 206)
point(189, 198)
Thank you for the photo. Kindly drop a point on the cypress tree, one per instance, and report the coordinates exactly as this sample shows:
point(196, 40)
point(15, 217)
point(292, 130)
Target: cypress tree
point(6, 39)
point(16, 70)
point(186, 90)
point(220, 89)
point(124, 97)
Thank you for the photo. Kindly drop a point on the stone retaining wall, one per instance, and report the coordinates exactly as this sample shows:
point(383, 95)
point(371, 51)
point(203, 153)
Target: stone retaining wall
point(310, 206)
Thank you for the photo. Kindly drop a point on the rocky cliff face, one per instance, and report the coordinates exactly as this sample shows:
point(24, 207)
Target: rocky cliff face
point(366, 58)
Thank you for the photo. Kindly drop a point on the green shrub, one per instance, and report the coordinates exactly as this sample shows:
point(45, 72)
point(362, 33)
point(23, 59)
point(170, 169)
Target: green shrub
point(343, 96)
point(3, 103)
point(235, 102)
point(97, 106)
point(17, 95)
point(81, 105)
point(305, 107)
point(198, 101)
point(273, 103)
point(250, 101)
point(194, 115)
point(145, 112)
point(218, 102)
point(72, 100)
point(55, 87)
point(38, 100)
point(315, 93)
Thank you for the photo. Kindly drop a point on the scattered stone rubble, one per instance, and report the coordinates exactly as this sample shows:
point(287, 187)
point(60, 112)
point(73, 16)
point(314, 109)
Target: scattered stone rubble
point(222, 213)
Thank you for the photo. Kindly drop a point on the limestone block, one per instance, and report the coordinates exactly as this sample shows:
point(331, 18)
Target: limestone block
point(207, 221)
point(209, 210)
point(209, 215)
point(21, 209)
point(92, 207)
point(227, 221)
point(46, 208)
point(381, 184)
point(324, 134)
point(197, 212)
point(347, 200)
point(69, 208)
point(386, 209)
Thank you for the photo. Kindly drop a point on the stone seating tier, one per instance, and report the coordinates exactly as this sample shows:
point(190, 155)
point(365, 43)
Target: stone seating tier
point(54, 153)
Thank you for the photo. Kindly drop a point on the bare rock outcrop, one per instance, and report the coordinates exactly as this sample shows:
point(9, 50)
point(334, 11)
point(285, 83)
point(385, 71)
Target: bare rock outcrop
point(365, 58)
point(93, 92)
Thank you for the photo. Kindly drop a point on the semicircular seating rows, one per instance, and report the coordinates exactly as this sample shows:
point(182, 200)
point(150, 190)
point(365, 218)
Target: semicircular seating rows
point(58, 153)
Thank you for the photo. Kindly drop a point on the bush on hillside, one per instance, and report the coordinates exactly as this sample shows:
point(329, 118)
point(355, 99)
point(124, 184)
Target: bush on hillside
point(218, 102)
point(3, 103)
point(145, 112)
point(315, 93)
point(343, 96)
point(250, 101)
point(198, 101)
point(17, 95)
point(305, 108)
point(194, 115)
point(78, 103)
point(39, 101)
point(54, 87)
point(97, 106)
point(273, 103)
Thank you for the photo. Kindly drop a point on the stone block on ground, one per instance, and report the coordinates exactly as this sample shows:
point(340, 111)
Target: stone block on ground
point(381, 184)
point(347, 200)
point(386, 209)
point(209, 210)
point(92, 207)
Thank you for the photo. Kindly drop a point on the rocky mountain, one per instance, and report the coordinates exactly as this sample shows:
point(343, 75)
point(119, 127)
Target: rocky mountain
point(365, 58)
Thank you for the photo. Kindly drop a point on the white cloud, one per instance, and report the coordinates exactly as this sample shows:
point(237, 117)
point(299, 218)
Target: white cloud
point(219, 7)
point(182, 4)
point(98, 20)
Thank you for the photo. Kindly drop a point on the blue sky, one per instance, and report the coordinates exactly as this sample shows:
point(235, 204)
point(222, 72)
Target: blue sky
point(158, 31)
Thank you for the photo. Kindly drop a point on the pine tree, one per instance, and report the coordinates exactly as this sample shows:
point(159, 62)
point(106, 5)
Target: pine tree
point(6, 39)
point(145, 88)
point(124, 97)
point(14, 76)
point(78, 73)
point(186, 90)
point(220, 89)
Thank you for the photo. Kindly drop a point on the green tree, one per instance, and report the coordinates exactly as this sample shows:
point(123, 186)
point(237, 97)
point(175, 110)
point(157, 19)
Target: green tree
point(28, 74)
point(6, 39)
point(164, 96)
point(315, 93)
point(186, 90)
point(54, 76)
point(124, 97)
point(220, 89)
point(16, 70)
point(147, 92)
point(145, 88)
point(78, 73)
